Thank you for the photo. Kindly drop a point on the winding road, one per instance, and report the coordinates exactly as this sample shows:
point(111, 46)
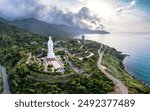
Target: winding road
point(120, 88)
point(6, 89)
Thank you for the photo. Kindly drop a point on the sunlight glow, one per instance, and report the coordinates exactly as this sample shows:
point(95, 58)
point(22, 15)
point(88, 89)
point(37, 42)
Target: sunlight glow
point(101, 8)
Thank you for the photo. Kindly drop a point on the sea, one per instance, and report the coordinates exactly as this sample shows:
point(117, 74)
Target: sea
point(136, 45)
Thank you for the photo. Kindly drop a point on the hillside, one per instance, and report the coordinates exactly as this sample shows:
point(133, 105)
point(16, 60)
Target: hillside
point(46, 29)
point(4, 20)
point(15, 47)
point(11, 35)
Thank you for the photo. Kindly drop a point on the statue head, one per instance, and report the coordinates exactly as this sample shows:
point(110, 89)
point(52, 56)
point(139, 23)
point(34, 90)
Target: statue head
point(50, 38)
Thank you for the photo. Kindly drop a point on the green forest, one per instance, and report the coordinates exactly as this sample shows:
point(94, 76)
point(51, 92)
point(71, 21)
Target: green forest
point(15, 43)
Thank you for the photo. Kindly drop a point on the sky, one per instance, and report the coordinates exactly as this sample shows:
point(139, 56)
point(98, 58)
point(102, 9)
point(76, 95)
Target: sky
point(109, 15)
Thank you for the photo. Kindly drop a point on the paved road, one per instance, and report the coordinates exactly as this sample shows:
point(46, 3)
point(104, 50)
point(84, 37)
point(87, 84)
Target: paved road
point(74, 67)
point(120, 88)
point(5, 81)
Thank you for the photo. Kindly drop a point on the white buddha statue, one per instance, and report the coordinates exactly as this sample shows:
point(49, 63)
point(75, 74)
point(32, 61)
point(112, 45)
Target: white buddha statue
point(50, 54)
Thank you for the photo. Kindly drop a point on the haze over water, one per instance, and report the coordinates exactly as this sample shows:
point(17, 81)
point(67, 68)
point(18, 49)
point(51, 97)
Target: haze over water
point(137, 45)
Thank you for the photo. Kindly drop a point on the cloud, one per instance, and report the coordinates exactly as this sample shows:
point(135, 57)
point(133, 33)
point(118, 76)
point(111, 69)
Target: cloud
point(133, 2)
point(13, 9)
point(83, 18)
point(46, 10)
point(125, 7)
point(94, 14)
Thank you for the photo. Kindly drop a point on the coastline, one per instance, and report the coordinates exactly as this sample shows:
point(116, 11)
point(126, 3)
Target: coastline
point(133, 75)
point(125, 76)
point(123, 65)
point(141, 88)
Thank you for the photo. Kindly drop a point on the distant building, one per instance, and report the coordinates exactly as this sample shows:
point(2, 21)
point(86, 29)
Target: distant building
point(44, 43)
point(34, 43)
point(83, 39)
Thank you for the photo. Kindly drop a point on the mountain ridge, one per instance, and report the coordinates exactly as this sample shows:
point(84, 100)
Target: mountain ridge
point(45, 29)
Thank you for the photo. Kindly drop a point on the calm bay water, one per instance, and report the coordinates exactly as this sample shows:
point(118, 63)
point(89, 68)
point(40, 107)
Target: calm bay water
point(137, 45)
